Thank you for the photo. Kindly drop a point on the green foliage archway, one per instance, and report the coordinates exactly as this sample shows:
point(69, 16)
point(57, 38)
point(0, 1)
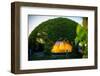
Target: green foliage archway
point(47, 33)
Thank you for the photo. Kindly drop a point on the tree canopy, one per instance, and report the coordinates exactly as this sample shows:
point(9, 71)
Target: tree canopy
point(54, 29)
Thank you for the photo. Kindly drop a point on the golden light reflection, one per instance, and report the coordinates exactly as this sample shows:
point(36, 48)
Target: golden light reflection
point(61, 47)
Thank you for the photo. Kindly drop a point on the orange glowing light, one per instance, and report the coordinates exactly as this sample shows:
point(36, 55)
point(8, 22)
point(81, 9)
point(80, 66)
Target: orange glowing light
point(61, 47)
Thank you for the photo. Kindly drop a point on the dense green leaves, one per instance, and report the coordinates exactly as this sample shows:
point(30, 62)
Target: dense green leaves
point(56, 29)
point(82, 39)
